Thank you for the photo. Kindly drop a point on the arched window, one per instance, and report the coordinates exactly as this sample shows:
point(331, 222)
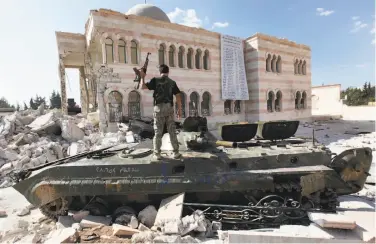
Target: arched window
point(171, 56)
point(134, 106)
point(205, 104)
point(193, 104)
point(206, 60)
point(278, 102)
point(304, 68)
point(279, 64)
point(161, 54)
point(270, 101)
point(181, 57)
point(109, 45)
point(198, 59)
point(183, 102)
point(115, 102)
point(122, 51)
point(300, 67)
point(303, 102)
point(274, 64)
point(296, 66)
point(134, 52)
point(190, 58)
point(298, 96)
point(237, 107)
point(269, 63)
point(227, 107)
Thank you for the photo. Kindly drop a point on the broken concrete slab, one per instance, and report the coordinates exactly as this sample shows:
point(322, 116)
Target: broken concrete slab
point(65, 221)
point(68, 235)
point(327, 220)
point(95, 221)
point(121, 230)
point(70, 131)
point(170, 209)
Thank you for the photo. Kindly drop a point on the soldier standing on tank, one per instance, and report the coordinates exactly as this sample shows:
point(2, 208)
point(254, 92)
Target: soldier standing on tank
point(163, 112)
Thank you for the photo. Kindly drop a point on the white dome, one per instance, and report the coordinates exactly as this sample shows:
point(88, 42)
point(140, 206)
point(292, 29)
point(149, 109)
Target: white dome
point(150, 11)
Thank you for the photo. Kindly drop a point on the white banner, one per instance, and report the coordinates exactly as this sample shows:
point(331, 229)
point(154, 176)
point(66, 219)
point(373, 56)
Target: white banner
point(234, 80)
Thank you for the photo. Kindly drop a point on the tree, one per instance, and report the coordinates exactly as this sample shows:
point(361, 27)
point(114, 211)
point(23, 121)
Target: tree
point(356, 96)
point(32, 104)
point(4, 103)
point(18, 107)
point(35, 103)
point(55, 100)
point(25, 106)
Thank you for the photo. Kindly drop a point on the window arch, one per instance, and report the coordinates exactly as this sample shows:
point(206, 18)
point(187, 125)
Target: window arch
point(278, 102)
point(274, 63)
point(134, 52)
point(122, 47)
point(206, 104)
point(296, 66)
point(206, 60)
point(304, 68)
point(115, 105)
point(298, 97)
point(227, 107)
point(303, 101)
point(109, 46)
point(134, 104)
point(190, 58)
point(198, 59)
point(237, 108)
point(193, 104)
point(181, 57)
point(270, 101)
point(161, 54)
point(183, 102)
point(269, 63)
point(279, 64)
point(300, 67)
point(171, 56)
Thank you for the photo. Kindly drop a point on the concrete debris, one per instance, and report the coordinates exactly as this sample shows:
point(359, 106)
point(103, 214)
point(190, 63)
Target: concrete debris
point(95, 221)
point(147, 216)
point(145, 237)
point(3, 213)
point(121, 230)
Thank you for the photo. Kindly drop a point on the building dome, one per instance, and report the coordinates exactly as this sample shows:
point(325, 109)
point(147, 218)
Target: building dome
point(150, 11)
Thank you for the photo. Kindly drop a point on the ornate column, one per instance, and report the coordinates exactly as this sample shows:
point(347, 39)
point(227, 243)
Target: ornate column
point(104, 56)
point(194, 59)
point(63, 90)
point(116, 51)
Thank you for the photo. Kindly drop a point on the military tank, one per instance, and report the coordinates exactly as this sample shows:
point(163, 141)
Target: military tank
point(246, 174)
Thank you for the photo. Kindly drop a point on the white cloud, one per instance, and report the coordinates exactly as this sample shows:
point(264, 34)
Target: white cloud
point(357, 25)
point(185, 17)
point(220, 25)
point(189, 18)
point(361, 65)
point(355, 17)
point(323, 12)
point(373, 42)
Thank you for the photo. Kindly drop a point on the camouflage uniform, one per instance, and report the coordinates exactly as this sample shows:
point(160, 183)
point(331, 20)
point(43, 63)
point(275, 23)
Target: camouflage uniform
point(163, 112)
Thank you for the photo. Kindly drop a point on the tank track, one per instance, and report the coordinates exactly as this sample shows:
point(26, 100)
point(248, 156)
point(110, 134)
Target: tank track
point(264, 209)
point(284, 205)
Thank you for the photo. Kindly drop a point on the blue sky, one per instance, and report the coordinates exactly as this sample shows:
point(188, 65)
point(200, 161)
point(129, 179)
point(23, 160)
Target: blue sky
point(340, 33)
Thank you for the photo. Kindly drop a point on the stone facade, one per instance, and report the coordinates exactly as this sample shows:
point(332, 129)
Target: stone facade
point(114, 43)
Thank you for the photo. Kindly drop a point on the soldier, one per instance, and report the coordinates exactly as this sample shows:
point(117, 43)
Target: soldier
point(164, 88)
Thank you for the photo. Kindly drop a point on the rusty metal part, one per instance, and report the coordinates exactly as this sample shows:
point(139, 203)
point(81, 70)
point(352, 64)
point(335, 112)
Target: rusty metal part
point(56, 208)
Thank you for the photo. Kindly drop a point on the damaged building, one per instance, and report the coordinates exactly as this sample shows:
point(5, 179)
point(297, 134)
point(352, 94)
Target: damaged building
point(278, 71)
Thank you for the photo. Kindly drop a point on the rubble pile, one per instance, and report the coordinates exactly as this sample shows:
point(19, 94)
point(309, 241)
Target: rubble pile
point(33, 137)
point(83, 227)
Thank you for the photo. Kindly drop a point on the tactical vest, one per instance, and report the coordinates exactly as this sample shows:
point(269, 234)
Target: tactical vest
point(163, 90)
